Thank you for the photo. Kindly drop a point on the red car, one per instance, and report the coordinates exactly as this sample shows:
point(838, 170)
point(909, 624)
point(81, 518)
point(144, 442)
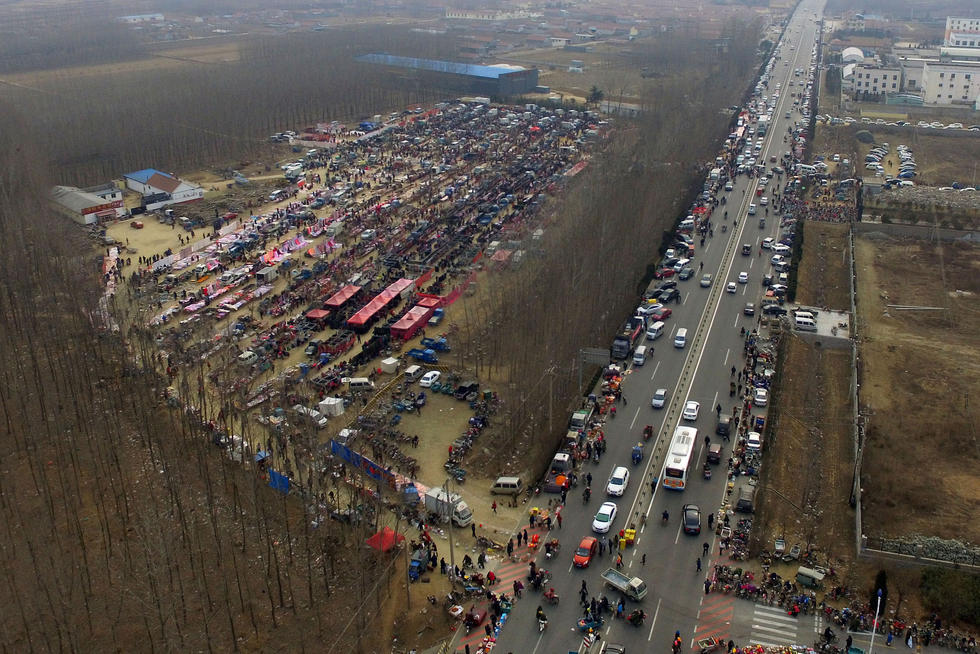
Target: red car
point(661, 314)
point(586, 550)
point(664, 273)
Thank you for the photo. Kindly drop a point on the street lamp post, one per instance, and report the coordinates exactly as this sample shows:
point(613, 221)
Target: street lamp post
point(874, 625)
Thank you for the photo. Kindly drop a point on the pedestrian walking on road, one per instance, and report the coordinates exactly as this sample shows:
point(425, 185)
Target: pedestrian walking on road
point(481, 560)
point(707, 586)
point(510, 548)
point(494, 506)
point(558, 517)
point(473, 529)
point(525, 538)
point(643, 560)
point(699, 564)
point(711, 521)
point(619, 562)
point(602, 547)
point(624, 400)
point(547, 523)
point(704, 549)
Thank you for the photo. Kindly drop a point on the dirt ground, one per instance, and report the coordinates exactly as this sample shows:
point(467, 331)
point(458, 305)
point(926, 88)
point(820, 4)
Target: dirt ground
point(823, 280)
point(927, 360)
point(942, 157)
point(806, 491)
point(805, 498)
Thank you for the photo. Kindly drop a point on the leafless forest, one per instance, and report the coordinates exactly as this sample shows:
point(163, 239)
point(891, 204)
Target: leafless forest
point(123, 530)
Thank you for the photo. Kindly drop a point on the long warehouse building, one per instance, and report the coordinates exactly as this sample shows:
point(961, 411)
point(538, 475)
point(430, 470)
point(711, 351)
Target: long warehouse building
point(499, 80)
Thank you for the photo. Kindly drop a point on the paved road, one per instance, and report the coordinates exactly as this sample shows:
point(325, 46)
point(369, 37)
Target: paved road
point(700, 372)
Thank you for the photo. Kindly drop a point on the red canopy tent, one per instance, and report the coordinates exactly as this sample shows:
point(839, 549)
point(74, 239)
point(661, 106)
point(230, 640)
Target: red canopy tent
point(340, 298)
point(317, 314)
point(413, 320)
point(384, 540)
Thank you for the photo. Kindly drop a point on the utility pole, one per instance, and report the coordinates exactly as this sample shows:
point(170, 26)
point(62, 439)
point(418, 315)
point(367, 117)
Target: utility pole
point(452, 553)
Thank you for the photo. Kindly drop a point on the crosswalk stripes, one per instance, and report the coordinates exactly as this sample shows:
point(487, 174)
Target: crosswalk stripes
point(715, 617)
point(772, 626)
point(506, 572)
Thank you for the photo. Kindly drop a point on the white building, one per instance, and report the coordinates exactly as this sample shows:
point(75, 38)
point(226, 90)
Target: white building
point(876, 80)
point(87, 208)
point(962, 32)
point(161, 189)
point(951, 82)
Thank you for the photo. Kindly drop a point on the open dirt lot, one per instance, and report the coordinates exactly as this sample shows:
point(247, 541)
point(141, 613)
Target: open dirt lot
point(943, 157)
point(823, 281)
point(805, 496)
point(926, 361)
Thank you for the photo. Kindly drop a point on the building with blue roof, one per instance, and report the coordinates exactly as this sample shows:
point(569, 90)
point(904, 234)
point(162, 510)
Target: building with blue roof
point(497, 80)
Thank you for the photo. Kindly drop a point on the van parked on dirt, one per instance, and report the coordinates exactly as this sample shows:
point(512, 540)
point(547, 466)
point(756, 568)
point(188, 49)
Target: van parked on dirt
point(412, 373)
point(507, 486)
point(360, 384)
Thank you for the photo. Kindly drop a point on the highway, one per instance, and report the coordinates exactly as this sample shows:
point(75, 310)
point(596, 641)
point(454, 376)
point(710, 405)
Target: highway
point(700, 372)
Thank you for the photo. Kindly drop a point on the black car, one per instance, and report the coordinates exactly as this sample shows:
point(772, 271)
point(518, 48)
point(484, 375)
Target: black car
point(773, 310)
point(692, 519)
point(686, 273)
point(669, 295)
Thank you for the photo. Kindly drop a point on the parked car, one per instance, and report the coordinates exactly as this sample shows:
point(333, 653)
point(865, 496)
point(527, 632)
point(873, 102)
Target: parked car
point(760, 397)
point(749, 309)
point(661, 314)
point(429, 378)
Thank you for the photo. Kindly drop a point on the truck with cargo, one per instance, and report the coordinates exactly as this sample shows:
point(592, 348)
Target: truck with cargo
point(763, 126)
point(446, 504)
point(633, 587)
point(622, 345)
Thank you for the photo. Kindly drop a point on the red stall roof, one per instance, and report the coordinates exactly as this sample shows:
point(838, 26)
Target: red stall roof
point(400, 285)
point(367, 312)
point(411, 322)
point(339, 298)
point(429, 302)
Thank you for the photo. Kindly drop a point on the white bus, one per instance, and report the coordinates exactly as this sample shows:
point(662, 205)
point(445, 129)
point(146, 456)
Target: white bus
point(679, 458)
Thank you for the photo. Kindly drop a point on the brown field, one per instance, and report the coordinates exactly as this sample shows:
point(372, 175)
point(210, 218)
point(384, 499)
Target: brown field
point(918, 369)
point(805, 498)
point(209, 53)
point(823, 281)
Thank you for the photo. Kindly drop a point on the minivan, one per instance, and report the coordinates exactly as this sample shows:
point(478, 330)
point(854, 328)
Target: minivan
point(655, 330)
point(360, 384)
point(412, 373)
point(507, 486)
point(805, 324)
point(680, 338)
point(640, 355)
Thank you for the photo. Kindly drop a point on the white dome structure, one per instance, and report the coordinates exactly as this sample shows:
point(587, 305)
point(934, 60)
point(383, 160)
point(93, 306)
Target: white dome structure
point(852, 55)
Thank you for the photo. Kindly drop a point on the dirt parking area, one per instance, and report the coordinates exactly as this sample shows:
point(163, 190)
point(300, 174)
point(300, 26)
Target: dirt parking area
point(918, 369)
point(942, 156)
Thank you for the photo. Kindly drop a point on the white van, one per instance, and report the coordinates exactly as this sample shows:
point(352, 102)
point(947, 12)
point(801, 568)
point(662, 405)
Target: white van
point(360, 384)
point(640, 355)
point(248, 358)
point(507, 486)
point(680, 338)
point(805, 324)
point(804, 314)
point(655, 330)
point(412, 373)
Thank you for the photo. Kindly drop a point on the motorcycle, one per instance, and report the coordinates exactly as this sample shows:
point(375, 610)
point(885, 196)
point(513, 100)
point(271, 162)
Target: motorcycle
point(636, 617)
point(551, 596)
point(586, 494)
point(542, 623)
